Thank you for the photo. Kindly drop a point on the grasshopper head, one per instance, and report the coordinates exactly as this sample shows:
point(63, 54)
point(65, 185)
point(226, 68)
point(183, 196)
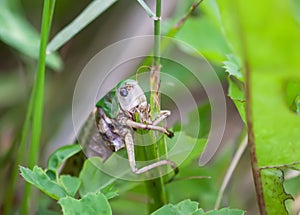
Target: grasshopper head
point(131, 97)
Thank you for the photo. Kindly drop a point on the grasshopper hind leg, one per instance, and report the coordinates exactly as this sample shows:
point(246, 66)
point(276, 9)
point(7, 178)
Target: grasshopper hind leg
point(131, 157)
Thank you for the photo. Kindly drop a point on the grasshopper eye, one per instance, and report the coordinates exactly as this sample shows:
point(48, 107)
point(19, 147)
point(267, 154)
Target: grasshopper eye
point(123, 92)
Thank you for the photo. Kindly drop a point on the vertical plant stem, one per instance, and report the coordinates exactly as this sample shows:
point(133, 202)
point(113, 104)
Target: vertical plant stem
point(38, 98)
point(156, 49)
point(155, 187)
point(155, 71)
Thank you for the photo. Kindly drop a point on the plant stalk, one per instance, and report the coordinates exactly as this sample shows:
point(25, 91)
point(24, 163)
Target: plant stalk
point(38, 98)
point(157, 33)
point(156, 189)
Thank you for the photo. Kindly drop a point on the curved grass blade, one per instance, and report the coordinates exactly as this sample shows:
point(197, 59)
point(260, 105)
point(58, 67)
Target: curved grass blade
point(91, 12)
point(60, 155)
point(19, 34)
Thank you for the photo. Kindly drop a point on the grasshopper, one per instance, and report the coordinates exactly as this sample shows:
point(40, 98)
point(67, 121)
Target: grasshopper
point(113, 120)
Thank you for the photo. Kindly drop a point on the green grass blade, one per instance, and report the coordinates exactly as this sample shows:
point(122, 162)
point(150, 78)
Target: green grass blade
point(38, 97)
point(91, 12)
point(150, 13)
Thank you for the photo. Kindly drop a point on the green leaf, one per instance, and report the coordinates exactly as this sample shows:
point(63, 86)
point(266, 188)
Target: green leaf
point(39, 178)
point(274, 178)
point(92, 203)
point(199, 212)
point(94, 180)
point(233, 67)
point(185, 207)
point(109, 191)
point(268, 46)
point(18, 33)
point(296, 9)
point(270, 66)
point(236, 91)
point(62, 154)
point(297, 104)
point(71, 184)
point(90, 177)
point(225, 211)
point(191, 150)
point(205, 36)
point(292, 90)
point(91, 12)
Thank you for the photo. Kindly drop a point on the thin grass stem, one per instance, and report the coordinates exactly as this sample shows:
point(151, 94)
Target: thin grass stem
point(38, 98)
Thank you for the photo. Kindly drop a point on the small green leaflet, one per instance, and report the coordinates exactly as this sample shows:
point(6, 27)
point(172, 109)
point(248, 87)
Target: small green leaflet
point(188, 207)
point(61, 155)
point(40, 179)
point(92, 203)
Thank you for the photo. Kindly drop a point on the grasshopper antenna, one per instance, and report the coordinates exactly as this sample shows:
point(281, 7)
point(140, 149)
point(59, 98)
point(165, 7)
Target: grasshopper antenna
point(147, 68)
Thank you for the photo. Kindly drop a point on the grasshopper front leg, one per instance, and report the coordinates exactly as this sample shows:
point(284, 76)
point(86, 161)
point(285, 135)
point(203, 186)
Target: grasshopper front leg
point(163, 115)
point(131, 157)
point(138, 125)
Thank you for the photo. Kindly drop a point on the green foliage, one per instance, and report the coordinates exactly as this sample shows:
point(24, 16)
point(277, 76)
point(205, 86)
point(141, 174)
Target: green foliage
point(65, 187)
point(70, 184)
point(211, 43)
point(236, 88)
point(185, 207)
point(268, 44)
point(233, 67)
point(92, 203)
point(188, 207)
point(92, 179)
point(225, 211)
point(60, 155)
point(41, 180)
point(108, 104)
point(268, 76)
point(274, 178)
point(48, 180)
point(292, 90)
